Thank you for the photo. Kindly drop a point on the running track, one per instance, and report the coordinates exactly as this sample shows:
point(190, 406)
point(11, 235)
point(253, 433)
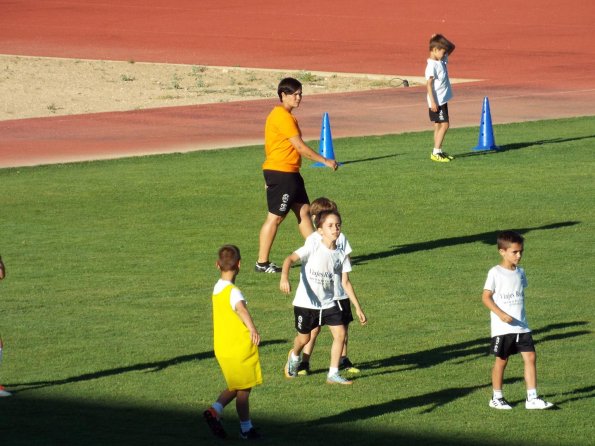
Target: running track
point(535, 60)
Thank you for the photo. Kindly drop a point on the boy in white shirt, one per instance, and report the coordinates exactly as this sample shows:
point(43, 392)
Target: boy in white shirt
point(504, 296)
point(323, 264)
point(439, 92)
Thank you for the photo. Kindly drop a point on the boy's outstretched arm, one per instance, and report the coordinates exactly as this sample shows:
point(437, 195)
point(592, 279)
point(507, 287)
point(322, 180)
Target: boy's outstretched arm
point(284, 284)
point(488, 301)
point(305, 151)
point(244, 315)
point(348, 287)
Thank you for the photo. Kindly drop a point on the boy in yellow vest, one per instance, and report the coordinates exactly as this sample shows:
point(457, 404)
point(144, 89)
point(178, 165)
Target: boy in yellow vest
point(236, 347)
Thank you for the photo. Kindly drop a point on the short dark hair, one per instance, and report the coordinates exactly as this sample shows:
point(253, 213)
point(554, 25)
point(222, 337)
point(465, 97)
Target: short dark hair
point(440, 42)
point(288, 85)
point(229, 257)
point(324, 214)
point(507, 238)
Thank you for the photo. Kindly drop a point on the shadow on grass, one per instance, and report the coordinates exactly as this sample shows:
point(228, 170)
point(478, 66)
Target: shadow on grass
point(431, 401)
point(460, 352)
point(522, 145)
point(375, 158)
point(483, 237)
point(30, 421)
point(155, 366)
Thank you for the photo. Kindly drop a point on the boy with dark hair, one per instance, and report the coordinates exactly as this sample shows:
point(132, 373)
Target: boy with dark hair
point(504, 296)
point(439, 92)
point(285, 188)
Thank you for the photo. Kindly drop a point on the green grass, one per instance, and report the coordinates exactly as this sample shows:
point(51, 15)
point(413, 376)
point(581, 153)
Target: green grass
point(110, 267)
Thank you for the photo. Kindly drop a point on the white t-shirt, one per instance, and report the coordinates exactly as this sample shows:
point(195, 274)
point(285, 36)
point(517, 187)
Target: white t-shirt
point(342, 243)
point(508, 287)
point(235, 295)
point(438, 69)
point(318, 275)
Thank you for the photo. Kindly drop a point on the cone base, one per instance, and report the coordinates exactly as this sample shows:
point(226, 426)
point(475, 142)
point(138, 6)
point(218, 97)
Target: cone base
point(478, 148)
point(323, 165)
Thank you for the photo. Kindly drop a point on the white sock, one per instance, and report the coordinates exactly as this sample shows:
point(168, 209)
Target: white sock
point(333, 370)
point(435, 151)
point(531, 394)
point(498, 394)
point(245, 426)
point(294, 357)
point(218, 408)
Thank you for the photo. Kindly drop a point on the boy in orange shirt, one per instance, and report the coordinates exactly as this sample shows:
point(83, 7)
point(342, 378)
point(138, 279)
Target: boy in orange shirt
point(286, 191)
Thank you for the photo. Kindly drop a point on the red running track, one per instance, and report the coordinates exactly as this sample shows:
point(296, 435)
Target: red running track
point(534, 62)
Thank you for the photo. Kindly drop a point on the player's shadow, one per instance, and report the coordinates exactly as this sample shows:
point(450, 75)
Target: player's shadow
point(375, 158)
point(150, 367)
point(460, 352)
point(575, 395)
point(522, 145)
point(430, 401)
point(483, 237)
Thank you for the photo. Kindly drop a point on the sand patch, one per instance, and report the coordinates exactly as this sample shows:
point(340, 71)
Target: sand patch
point(41, 86)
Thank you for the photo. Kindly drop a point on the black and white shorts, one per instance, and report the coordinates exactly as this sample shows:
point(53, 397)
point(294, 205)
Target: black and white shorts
point(307, 319)
point(509, 344)
point(346, 314)
point(441, 115)
point(284, 189)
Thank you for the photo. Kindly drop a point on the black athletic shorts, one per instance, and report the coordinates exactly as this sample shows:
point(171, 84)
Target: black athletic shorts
point(509, 344)
point(441, 115)
point(284, 189)
point(346, 314)
point(307, 319)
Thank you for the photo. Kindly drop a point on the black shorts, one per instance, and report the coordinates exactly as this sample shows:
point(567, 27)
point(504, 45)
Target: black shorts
point(346, 314)
point(441, 115)
point(307, 319)
point(509, 344)
point(284, 189)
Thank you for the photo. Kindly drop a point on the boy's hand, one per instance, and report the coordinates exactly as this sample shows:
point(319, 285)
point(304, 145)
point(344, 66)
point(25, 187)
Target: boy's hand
point(255, 336)
point(505, 317)
point(362, 317)
point(285, 286)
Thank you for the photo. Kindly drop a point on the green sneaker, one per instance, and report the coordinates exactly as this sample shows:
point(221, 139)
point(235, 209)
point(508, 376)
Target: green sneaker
point(303, 369)
point(440, 157)
point(348, 366)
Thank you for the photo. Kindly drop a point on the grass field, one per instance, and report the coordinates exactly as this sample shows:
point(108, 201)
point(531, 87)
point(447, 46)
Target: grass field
point(110, 267)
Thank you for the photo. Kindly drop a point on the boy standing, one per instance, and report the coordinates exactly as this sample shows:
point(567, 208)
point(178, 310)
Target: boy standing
point(323, 265)
point(285, 188)
point(439, 92)
point(504, 296)
point(235, 340)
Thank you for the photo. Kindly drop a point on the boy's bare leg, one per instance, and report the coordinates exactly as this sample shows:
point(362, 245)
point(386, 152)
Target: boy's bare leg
point(338, 332)
point(440, 129)
point(267, 236)
point(226, 397)
point(302, 213)
point(344, 351)
point(243, 404)
point(498, 373)
point(530, 360)
point(309, 347)
point(299, 343)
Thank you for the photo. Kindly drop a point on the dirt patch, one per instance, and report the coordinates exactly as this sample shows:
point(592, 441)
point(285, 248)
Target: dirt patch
point(40, 86)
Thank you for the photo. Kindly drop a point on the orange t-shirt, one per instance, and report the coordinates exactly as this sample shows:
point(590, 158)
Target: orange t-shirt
point(280, 153)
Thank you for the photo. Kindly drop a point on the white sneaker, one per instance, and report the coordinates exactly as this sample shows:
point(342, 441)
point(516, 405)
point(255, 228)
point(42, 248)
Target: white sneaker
point(537, 403)
point(500, 403)
point(4, 392)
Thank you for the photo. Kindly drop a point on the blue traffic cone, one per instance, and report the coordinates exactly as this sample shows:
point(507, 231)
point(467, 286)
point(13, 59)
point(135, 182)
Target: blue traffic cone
point(486, 133)
point(325, 146)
